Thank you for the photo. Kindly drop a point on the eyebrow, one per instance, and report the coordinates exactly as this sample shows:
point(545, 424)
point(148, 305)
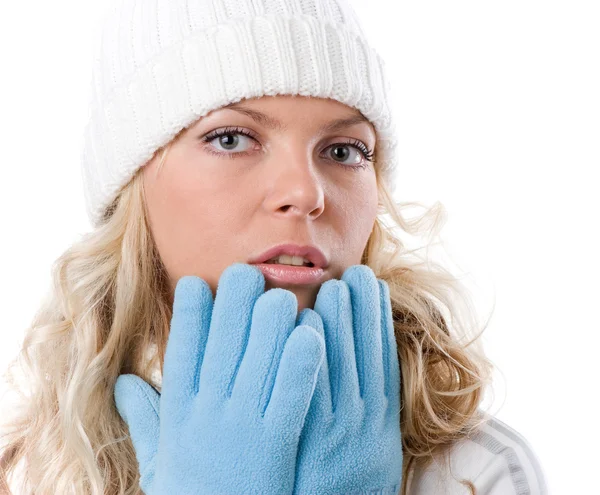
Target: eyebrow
point(274, 124)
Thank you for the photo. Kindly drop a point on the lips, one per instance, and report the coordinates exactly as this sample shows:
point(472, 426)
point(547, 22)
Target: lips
point(311, 253)
point(280, 275)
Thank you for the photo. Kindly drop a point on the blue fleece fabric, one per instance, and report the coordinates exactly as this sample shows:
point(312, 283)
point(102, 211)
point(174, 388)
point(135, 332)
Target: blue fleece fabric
point(351, 442)
point(236, 419)
point(236, 389)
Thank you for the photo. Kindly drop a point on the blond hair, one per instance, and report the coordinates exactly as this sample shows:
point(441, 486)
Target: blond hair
point(109, 303)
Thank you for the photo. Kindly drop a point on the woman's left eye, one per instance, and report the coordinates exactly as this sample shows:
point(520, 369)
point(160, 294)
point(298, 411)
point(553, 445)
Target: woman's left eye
point(360, 155)
point(229, 139)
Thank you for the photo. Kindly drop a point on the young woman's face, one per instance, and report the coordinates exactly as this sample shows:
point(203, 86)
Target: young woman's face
point(216, 203)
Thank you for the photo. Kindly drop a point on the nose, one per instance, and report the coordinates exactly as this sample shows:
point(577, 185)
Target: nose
point(296, 183)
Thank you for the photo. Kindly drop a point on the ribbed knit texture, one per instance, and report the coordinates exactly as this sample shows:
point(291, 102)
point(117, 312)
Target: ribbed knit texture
point(162, 64)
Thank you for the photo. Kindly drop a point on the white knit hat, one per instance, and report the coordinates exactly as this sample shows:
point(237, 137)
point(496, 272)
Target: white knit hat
point(160, 65)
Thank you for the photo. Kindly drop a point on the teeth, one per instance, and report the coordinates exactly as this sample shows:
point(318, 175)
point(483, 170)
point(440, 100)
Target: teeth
point(285, 259)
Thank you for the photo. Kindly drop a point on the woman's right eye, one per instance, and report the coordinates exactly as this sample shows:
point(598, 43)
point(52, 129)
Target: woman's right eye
point(228, 140)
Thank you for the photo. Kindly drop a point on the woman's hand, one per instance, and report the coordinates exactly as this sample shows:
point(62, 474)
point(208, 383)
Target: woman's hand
point(229, 418)
point(351, 440)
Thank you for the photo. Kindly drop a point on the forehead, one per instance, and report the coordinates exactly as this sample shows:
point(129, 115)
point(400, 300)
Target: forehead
point(264, 113)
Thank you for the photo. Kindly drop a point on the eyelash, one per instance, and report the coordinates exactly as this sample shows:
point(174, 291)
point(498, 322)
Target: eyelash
point(366, 153)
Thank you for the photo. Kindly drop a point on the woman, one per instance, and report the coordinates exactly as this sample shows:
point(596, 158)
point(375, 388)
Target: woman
point(219, 130)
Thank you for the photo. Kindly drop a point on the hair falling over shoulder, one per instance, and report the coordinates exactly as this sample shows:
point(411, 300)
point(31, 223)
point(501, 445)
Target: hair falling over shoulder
point(109, 303)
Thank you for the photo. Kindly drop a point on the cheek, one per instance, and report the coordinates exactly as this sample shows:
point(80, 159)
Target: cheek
point(187, 196)
point(203, 216)
point(360, 213)
point(361, 222)
point(194, 234)
point(361, 204)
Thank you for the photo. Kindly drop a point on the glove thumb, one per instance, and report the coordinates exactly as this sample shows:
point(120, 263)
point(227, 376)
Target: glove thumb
point(138, 404)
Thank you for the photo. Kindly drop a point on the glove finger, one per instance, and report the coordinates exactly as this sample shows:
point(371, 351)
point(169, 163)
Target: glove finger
point(335, 309)
point(320, 406)
point(138, 404)
point(391, 365)
point(366, 308)
point(295, 383)
point(273, 320)
point(192, 309)
point(239, 287)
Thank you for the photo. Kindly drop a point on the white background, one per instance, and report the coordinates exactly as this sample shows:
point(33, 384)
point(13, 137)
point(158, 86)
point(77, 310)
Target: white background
point(498, 113)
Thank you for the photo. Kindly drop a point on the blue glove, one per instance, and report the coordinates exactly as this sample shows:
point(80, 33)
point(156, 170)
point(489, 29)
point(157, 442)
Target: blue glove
point(229, 418)
point(351, 442)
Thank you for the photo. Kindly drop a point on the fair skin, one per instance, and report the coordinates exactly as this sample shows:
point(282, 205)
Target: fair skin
point(290, 186)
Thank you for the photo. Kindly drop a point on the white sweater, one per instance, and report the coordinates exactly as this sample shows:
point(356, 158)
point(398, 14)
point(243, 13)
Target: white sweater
point(496, 459)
